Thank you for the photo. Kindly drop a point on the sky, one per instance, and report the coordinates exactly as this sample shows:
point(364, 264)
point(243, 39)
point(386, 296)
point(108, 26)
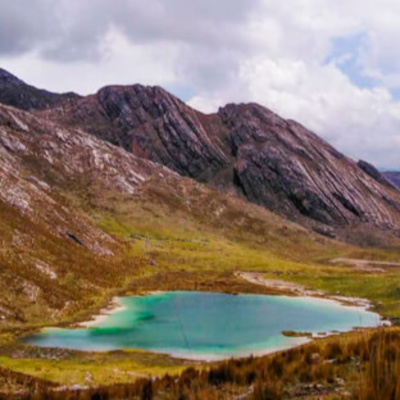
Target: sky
point(332, 65)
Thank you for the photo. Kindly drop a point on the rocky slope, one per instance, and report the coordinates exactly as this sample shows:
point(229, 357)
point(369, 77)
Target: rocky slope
point(53, 255)
point(17, 93)
point(245, 149)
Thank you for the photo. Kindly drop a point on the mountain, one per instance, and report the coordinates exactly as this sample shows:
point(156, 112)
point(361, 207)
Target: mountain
point(83, 220)
point(393, 176)
point(17, 93)
point(244, 149)
point(79, 217)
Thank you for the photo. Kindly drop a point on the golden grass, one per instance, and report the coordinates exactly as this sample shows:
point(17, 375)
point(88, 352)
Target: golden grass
point(359, 366)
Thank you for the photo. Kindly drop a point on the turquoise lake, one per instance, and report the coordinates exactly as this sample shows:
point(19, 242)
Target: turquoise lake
point(208, 325)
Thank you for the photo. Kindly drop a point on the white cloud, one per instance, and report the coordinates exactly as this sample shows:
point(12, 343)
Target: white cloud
point(124, 63)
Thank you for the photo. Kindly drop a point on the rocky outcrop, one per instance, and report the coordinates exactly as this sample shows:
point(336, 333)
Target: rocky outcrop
point(282, 165)
point(17, 93)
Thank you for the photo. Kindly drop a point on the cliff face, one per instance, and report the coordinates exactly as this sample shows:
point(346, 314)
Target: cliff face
point(245, 149)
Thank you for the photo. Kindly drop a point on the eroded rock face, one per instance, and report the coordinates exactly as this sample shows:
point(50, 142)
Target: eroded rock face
point(151, 123)
point(246, 149)
point(375, 173)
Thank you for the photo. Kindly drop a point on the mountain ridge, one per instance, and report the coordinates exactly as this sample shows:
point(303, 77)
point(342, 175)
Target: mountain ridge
point(244, 149)
point(83, 220)
point(17, 93)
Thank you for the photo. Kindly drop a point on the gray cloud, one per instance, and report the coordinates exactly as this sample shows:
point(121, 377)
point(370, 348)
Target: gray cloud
point(72, 30)
point(214, 52)
point(26, 25)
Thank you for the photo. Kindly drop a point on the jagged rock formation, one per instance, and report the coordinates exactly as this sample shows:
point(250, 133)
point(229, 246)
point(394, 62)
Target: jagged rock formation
point(394, 177)
point(17, 93)
point(246, 149)
point(64, 155)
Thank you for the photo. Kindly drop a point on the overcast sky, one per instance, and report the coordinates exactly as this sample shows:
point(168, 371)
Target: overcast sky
point(333, 65)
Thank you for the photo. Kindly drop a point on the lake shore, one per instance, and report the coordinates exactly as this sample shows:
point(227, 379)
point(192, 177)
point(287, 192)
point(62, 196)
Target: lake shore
point(301, 291)
point(114, 307)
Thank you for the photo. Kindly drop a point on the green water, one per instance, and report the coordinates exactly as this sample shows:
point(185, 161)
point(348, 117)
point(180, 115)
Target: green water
point(208, 325)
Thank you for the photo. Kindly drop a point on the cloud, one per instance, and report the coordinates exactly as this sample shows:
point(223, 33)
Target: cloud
point(71, 30)
point(333, 66)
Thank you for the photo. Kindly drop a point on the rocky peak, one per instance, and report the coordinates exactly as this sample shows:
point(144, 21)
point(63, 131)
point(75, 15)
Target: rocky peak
point(6, 78)
point(14, 92)
point(151, 123)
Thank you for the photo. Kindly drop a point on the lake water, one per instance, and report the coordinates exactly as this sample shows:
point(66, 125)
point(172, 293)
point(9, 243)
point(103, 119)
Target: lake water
point(208, 325)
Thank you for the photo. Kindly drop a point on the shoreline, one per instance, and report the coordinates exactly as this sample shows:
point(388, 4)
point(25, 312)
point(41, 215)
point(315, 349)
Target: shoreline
point(113, 307)
point(215, 357)
point(301, 291)
point(116, 306)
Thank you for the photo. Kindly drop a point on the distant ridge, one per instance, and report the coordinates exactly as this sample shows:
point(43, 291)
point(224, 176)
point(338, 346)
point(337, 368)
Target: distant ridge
point(16, 93)
point(394, 177)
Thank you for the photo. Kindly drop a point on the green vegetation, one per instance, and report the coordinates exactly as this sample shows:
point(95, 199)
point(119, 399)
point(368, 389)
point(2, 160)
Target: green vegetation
point(164, 238)
point(95, 368)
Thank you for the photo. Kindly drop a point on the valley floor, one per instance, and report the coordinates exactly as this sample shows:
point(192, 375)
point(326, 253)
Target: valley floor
point(184, 250)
